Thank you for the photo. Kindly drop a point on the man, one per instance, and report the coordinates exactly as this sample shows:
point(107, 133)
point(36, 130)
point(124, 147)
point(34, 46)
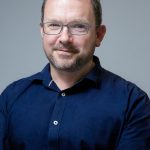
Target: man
point(73, 103)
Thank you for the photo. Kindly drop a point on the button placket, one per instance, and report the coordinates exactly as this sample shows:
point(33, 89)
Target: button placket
point(56, 117)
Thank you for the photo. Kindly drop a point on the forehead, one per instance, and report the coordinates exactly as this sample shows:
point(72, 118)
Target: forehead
point(69, 9)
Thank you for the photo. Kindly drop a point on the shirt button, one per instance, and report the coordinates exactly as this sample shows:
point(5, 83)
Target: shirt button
point(55, 123)
point(63, 94)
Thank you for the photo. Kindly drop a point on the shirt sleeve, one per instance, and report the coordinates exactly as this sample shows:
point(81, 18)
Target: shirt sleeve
point(136, 131)
point(2, 124)
point(7, 99)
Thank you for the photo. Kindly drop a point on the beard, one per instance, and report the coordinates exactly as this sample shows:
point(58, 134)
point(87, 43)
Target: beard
point(75, 65)
point(69, 63)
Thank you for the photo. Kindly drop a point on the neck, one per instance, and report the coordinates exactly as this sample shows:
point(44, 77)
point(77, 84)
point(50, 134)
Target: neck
point(65, 80)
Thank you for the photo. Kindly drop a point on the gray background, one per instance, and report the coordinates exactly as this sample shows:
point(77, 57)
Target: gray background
point(124, 51)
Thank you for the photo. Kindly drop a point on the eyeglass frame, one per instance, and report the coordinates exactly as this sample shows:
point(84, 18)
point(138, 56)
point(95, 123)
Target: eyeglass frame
point(88, 26)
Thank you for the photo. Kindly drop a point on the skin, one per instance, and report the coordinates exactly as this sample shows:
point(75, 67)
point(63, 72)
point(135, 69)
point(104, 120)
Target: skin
point(70, 56)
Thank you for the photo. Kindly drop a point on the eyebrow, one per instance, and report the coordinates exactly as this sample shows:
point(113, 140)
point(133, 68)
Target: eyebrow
point(74, 20)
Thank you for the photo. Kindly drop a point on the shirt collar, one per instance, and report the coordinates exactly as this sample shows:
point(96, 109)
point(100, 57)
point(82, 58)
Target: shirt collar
point(93, 76)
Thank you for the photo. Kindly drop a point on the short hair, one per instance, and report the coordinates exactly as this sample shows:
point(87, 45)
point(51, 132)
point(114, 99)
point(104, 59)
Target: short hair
point(96, 7)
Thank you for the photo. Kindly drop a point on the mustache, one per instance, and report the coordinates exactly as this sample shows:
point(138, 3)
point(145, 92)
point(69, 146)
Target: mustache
point(69, 47)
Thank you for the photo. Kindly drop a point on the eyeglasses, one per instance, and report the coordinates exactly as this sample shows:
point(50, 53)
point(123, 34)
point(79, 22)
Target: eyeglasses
point(74, 28)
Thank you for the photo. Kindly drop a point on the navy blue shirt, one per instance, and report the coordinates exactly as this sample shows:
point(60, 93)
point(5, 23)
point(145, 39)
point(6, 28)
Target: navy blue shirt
point(101, 112)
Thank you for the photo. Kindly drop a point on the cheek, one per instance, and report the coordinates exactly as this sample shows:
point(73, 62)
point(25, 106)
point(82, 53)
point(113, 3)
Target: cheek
point(49, 42)
point(86, 44)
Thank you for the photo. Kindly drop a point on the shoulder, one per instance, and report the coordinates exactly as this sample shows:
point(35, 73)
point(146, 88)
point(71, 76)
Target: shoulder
point(116, 86)
point(111, 79)
point(9, 96)
point(17, 87)
point(124, 91)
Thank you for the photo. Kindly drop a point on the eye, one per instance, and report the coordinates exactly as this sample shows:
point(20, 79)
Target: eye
point(53, 26)
point(79, 27)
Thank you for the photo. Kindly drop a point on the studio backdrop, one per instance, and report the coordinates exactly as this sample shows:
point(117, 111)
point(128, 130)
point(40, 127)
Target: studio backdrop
point(125, 49)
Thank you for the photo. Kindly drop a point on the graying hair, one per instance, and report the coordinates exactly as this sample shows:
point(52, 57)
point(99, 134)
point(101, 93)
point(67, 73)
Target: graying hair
point(96, 7)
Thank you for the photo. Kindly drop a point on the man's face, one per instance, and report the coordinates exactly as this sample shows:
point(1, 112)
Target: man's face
point(65, 51)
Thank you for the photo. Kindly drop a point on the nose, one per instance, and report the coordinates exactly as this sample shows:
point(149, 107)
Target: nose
point(65, 36)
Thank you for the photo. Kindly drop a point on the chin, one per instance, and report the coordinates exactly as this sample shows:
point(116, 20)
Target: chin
point(68, 66)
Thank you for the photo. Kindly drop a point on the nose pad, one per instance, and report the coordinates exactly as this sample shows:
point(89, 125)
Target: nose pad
point(65, 35)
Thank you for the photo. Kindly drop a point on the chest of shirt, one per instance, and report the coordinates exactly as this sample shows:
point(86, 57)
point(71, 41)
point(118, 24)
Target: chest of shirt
point(58, 117)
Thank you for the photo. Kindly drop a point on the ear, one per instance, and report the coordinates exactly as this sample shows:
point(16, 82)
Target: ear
point(100, 33)
point(41, 30)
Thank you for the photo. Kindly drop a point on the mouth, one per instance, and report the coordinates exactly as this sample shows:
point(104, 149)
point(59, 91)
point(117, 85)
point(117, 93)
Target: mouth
point(65, 52)
point(65, 49)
